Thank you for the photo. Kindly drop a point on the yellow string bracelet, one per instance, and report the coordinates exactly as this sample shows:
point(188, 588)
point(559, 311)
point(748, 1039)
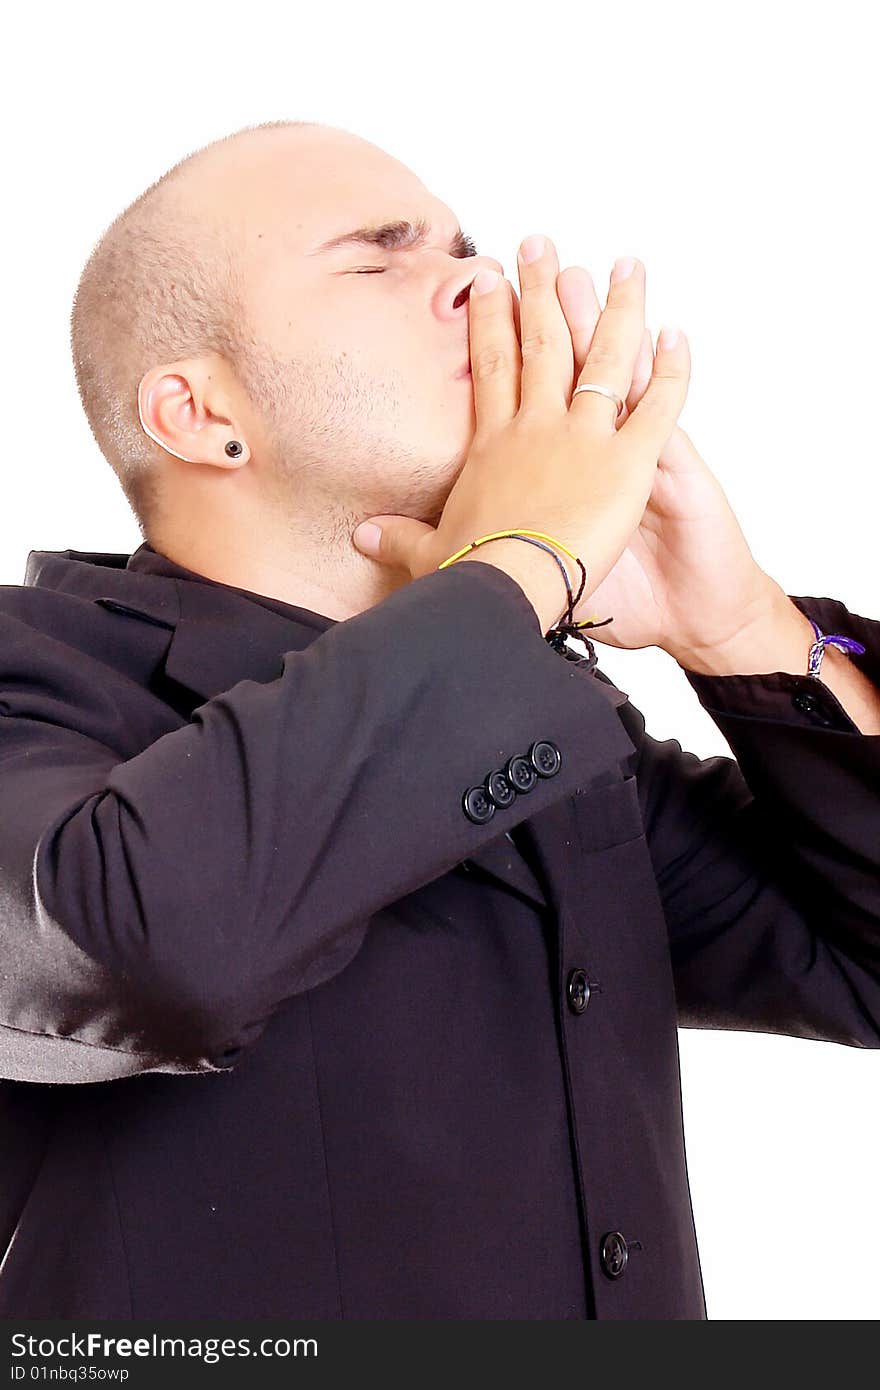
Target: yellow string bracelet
point(569, 627)
point(497, 535)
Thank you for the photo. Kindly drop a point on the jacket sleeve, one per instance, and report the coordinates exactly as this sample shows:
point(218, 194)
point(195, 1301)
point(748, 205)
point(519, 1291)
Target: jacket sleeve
point(768, 866)
point(154, 911)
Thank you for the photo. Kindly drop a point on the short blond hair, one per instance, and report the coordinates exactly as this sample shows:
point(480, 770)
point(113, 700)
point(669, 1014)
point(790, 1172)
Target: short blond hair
point(159, 285)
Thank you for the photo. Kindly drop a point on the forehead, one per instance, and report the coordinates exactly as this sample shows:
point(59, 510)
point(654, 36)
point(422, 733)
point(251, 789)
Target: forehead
point(307, 190)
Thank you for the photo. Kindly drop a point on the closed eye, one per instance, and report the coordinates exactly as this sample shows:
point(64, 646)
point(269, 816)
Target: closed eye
point(463, 248)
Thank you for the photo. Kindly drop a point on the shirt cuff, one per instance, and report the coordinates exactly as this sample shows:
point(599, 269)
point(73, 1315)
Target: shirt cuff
point(785, 698)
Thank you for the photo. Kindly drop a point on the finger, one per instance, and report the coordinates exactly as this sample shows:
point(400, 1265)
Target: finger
point(580, 304)
point(392, 540)
point(653, 419)
point(494, 352)
point(517, 319)
point(615, 344)
point(547, 359)
point(517, 324)
point(640, 378)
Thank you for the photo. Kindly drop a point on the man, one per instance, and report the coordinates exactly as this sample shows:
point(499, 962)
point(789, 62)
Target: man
point(346, 924)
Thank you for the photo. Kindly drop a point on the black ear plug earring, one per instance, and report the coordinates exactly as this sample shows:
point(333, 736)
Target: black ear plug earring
point(233, 448)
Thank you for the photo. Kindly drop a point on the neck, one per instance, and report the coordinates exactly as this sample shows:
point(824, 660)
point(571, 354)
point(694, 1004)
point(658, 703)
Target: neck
point(317, 568)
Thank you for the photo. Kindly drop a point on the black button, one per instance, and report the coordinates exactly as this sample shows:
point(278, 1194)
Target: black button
point(477, 806)
point(578, 991)
point(809, 704)
point(805, 701)
point(520, 773)
point(545, 758)
point(614, 1254)
point(499, 789)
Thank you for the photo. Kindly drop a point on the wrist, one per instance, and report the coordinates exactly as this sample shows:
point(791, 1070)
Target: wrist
point(535, 572)
point(778, 639)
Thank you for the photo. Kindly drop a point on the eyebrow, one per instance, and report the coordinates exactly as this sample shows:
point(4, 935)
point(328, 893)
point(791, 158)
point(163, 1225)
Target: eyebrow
point(395, 236)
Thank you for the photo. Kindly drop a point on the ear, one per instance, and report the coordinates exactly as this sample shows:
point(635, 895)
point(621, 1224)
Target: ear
point(184, 407)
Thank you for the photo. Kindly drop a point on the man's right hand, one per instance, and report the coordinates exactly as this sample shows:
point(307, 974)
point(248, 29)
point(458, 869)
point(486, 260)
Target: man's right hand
point(541, 458)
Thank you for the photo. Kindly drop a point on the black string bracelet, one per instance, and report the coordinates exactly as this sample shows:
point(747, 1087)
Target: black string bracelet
point(558, 635)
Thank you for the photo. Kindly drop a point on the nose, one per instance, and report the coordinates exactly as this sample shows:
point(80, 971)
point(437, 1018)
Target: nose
point(460, 286)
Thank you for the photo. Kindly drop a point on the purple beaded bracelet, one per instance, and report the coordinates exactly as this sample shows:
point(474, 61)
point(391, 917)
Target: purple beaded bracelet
point(817, 650)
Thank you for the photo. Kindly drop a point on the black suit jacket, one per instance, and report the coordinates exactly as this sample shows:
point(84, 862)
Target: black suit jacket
point(295, 1024)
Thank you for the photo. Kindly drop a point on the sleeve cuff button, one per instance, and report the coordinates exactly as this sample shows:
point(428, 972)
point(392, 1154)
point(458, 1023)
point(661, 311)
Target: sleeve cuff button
point(520, 772)
point(499, 790)
point(808, 704)
point(545, 758)
point(477, 806)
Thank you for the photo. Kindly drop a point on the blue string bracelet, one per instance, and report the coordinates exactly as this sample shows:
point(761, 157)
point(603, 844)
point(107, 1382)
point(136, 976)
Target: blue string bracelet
point(835, 639)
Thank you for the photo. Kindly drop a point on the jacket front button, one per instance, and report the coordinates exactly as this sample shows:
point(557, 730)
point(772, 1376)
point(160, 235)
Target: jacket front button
point(578, 991)
point(520, 773)
point(477, 806)
point(545, 758)
point(498, 789)
point(614, 1254)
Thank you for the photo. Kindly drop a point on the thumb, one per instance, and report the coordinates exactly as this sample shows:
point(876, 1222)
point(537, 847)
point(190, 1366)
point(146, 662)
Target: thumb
point(391, 539)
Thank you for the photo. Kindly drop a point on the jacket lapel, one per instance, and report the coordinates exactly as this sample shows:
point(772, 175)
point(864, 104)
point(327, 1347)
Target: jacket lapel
point(221, 639)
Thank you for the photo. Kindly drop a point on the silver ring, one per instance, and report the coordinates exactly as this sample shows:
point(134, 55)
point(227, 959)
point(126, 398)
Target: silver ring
point(603, 391)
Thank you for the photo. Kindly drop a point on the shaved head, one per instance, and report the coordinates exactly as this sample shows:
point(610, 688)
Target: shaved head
point(163, 282)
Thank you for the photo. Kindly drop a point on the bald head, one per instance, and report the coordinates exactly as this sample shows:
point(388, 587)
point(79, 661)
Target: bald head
point(165, 282)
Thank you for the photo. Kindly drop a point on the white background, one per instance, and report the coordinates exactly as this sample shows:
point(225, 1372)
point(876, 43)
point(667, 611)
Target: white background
point(734, 151)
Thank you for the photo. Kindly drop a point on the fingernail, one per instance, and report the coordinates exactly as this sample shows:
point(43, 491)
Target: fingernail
point(532, 248)
point(367, 536)
point(484, 281)
point(623, 268)
point(668, 338)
